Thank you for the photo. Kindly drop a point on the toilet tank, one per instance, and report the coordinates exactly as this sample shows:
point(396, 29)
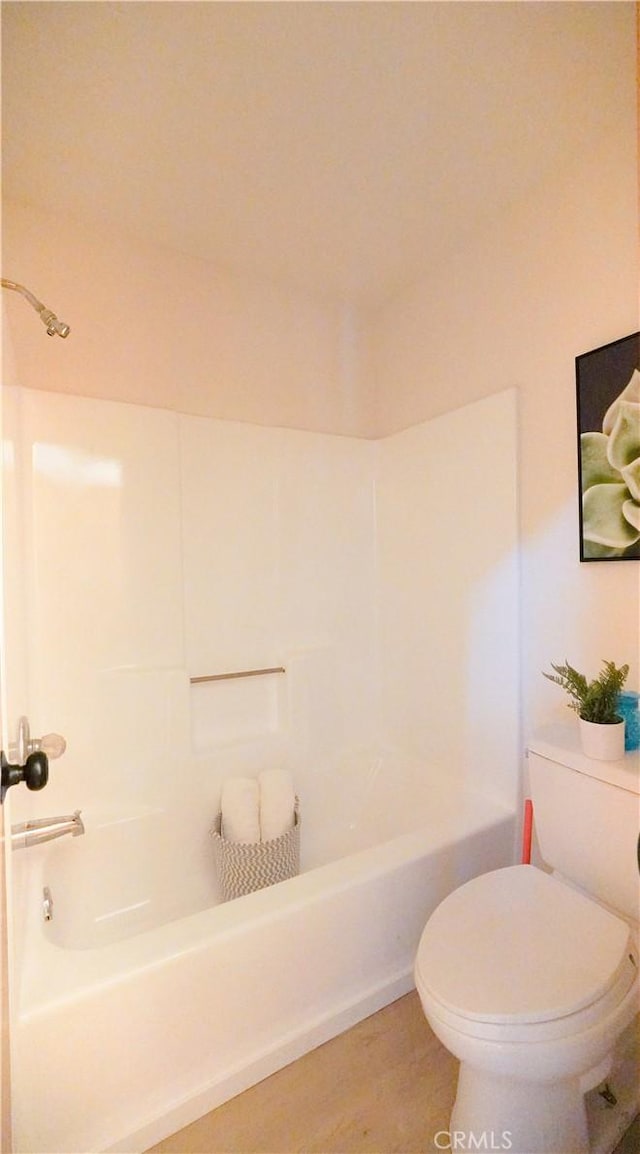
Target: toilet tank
point(586, 816)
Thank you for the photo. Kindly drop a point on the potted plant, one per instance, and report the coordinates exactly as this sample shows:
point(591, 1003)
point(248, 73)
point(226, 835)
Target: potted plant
point(596, 703)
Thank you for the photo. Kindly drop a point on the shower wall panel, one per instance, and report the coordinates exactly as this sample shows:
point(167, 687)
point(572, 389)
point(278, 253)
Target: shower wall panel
point(160, 547)
point(447, 533)
point(278, 547)
point(101, 509)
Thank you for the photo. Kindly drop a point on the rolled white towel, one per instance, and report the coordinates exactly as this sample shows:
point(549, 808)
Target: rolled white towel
point(240, 808)
point(277, 802)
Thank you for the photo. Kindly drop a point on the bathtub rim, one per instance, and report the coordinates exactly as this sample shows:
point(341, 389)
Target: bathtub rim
point(111, 965)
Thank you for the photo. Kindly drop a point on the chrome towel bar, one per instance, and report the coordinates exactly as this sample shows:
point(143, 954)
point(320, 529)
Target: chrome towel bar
point(239, 673)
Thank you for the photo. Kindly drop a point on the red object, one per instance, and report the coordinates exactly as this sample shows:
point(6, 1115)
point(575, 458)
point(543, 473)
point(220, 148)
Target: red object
point(527, 829)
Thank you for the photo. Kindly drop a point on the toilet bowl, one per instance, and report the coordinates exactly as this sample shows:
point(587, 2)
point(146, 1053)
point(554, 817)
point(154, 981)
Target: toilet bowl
point(529, 983)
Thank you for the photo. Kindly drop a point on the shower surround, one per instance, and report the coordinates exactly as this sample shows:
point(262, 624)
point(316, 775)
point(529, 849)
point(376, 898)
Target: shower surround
point(149, 548)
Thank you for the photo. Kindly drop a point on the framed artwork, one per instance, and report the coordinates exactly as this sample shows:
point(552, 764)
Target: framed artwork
point(608, 397)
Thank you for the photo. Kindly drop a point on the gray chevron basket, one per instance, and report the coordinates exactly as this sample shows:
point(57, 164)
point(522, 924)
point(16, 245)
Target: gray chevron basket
point(247, 866)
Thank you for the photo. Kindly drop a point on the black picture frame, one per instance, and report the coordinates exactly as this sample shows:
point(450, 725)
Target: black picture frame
point(602, 376)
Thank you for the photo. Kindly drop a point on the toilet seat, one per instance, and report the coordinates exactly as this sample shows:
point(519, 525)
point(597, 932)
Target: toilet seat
point(516, 950)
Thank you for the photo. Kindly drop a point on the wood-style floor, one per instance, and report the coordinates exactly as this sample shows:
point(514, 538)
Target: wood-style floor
point(384, 1087)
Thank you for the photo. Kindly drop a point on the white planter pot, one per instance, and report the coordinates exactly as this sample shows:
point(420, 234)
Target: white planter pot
point(602, 742)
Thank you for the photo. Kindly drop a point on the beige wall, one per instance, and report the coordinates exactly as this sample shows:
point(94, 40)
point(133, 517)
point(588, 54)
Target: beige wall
point(154, 327)
point(554, 277)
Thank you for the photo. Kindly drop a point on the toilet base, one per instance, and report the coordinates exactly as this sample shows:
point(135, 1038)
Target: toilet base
point(497, 1113)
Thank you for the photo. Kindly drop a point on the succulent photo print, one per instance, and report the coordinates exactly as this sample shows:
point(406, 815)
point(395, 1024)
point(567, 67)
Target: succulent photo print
point(608, 394)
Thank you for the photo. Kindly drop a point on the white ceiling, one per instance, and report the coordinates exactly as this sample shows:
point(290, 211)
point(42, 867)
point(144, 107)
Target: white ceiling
point(341, 148)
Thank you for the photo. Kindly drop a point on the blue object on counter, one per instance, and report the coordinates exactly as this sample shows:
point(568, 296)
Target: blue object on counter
point(629, 708)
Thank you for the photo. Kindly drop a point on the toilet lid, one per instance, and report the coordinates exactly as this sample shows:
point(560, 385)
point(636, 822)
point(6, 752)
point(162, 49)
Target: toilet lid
point(517, 945)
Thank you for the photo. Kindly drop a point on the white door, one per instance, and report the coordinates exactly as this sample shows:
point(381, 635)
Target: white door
point(5, 1079)
point(5, 1071)
point(13, 684)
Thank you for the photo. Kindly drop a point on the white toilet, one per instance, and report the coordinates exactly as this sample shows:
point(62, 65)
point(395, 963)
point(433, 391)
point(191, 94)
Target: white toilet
point(529, 978)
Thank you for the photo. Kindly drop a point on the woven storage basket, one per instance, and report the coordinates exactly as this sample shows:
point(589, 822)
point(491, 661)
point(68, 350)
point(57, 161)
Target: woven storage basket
point(247, 866)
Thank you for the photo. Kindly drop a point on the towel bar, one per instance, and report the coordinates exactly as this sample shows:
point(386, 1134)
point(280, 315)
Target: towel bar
point(239, 673)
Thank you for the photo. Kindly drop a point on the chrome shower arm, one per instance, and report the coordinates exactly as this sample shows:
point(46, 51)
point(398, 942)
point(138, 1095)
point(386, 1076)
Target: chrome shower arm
point(54, 326)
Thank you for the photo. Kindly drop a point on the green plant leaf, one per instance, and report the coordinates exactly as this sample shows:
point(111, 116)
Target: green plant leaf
point(602, 517)
point(590, 549)
point(631, 477)
point(630, 393)
point(595, 467)
point(570, 680)
point(631, 513)
point(624, 440)
point(596, 700)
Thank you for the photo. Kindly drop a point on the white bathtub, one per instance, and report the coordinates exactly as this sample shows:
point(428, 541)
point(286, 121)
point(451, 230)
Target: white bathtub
point(117, 1043)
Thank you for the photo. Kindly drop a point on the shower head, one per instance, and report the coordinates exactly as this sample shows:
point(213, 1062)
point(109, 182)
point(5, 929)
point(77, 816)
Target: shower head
point(54, 326)
point(48, 318)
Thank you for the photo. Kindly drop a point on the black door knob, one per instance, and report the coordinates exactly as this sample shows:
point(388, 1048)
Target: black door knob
point(34, 772)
